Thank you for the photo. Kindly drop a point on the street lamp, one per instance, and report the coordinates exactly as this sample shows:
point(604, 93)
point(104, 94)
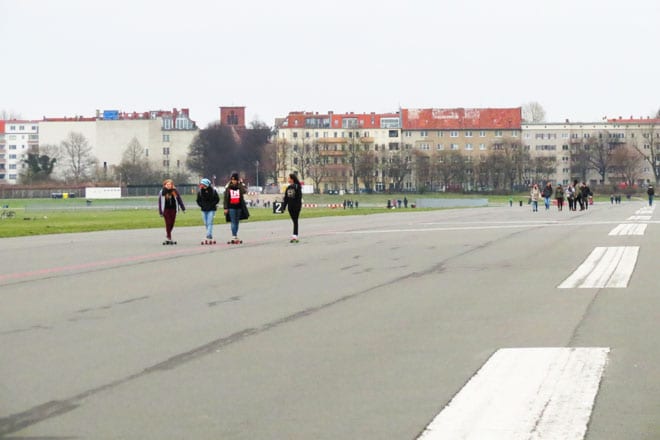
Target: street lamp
point(256, 164)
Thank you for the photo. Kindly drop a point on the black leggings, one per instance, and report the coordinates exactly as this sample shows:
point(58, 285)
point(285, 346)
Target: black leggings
point(294, 213)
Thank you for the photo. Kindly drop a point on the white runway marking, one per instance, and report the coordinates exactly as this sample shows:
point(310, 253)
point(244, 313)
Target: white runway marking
point(640, 217)
point(604, 267)
point(525, 393)
point(645, 211)
point(629, 229)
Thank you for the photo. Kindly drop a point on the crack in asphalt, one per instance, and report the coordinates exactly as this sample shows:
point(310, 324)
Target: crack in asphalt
point(24, 419)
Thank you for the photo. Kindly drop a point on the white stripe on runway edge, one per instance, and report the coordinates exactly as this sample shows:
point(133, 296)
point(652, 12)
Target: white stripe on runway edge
point(604, 267)
point(525, 393)
point(629, 229)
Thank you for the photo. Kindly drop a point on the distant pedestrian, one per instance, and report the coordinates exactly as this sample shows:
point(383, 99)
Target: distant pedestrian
point(405, 201)
point(208, 200)
point(559, 196)
point(535, 195)
point(569, 193)
point(293, 201)
point(547, 194)
point(650, 192)
point(586, 196)
point(169, 203)
point(234, 205)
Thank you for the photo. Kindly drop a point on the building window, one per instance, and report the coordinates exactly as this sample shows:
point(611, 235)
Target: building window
point(439, 147)
point(468, 146)
point(12, 156)
point(514, 134)
point(407, 133)
point(454, 146)
point(424, 146)
point(482, 147)
point(423, 133)
point(166, 138)
point(482, 133)
point(454, 134)
point(498, 133)
point(393, 133)
point(146, 152)
point(12, 166)
point(12, 147)
point(441, 133)
point(166, 163)
point(166, 151)
point(468, 134)
point(307, 135)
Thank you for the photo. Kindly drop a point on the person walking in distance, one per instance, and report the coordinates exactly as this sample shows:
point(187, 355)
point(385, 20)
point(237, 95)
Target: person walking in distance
point(293, 201)
point(169, 203)
point(569, 193)
point(547, 194)
point(559, 196)
point(234, 205)
point(586, 195)
point(535, 195)
point(650, 192)
point(207, 200)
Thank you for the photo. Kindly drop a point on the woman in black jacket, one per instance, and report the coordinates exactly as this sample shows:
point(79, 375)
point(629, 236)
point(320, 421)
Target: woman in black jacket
point(293, 201)
point(207, 200)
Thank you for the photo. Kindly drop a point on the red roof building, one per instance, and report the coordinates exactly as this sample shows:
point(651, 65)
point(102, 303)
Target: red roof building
point(461, 119)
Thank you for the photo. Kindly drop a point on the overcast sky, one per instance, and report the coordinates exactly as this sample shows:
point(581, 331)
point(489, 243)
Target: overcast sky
point(580, 59)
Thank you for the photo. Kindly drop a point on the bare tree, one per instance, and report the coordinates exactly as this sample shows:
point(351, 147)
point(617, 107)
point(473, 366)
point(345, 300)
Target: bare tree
point(650, 148)
point(135, 167)
point(77, 157)
point(533, 112)
point(626, 164)
point(6, 115)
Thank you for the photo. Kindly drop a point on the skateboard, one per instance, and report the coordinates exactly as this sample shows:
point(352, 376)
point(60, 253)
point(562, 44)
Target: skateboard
point(168, 242)
point(208, 241)
point(235, 241)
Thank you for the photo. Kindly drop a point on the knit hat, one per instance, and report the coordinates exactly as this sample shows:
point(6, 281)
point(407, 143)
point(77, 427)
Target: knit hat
point(206, 182)
point(234, 176)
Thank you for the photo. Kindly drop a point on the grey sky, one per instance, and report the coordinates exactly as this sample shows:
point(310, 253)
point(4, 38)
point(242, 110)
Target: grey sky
point(581, 59)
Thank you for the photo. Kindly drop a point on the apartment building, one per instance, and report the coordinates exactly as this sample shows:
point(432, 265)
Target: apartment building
point(387, 143)
point(472, 132)
point(325, 149)
point(17, 139)
point(164, 135)
point(560, 140)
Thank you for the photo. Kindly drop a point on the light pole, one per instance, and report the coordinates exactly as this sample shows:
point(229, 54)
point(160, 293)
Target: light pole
point(256, 164)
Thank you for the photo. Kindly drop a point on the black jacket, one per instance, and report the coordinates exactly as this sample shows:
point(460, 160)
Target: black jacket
point(292, 197)
point(208, 199)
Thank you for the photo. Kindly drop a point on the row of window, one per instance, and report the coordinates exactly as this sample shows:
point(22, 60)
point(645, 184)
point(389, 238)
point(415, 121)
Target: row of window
point(8, 177)
point(456, 133)
point(21, 127)
point(586, 135)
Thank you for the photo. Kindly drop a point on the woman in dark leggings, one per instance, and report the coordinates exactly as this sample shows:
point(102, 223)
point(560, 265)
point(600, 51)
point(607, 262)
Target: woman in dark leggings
point(293, 201)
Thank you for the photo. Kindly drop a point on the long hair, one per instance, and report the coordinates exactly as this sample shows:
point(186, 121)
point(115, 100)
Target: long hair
point(173, 192)
point(294, 177)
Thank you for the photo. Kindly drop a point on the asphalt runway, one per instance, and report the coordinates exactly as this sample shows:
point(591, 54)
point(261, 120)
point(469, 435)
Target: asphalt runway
point(366, 329)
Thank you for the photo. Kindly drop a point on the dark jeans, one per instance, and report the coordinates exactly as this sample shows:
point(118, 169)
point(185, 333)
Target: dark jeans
point(170, 217)
point(294, 213)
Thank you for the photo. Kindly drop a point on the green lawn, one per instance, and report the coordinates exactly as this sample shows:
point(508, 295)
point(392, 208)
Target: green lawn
point(53, 216)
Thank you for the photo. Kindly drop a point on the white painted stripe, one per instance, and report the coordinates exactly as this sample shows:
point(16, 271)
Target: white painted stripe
point(640, 217)
point(629, 229)
point(647, 210)
point(604, 267)
point(523, 394)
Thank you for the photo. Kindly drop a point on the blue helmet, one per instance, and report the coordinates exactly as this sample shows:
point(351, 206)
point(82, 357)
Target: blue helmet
point(205, 182)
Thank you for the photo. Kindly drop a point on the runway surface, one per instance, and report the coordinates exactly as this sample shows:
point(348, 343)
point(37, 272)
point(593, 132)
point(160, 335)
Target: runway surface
point(485, 323)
